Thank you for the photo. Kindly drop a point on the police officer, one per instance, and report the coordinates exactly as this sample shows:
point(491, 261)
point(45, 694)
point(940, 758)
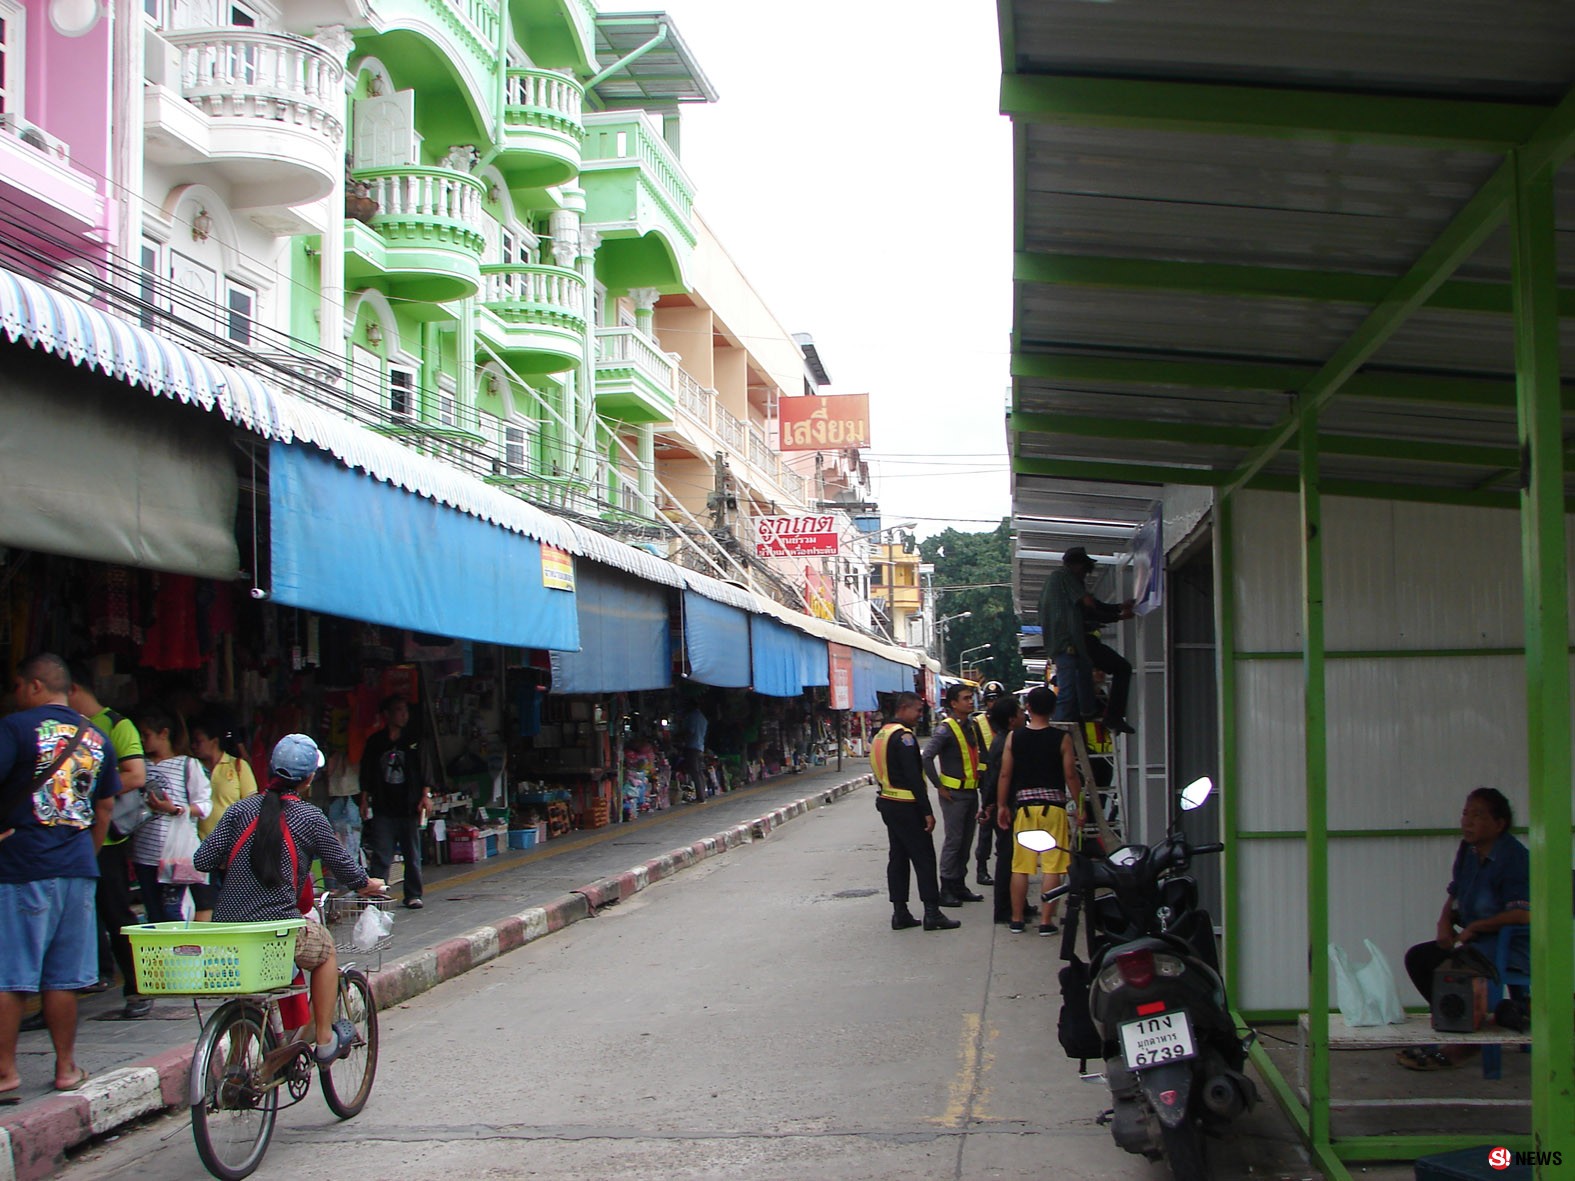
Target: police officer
point(904, 805)
point(989, 834)
point(955, 746)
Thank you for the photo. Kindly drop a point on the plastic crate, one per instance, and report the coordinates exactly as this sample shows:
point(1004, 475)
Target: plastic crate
point(522, 838)
point(205, 959)
point(492, 844)
point(467, 851)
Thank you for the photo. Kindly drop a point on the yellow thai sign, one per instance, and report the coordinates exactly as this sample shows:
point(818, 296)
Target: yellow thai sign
point(557, 568)
point(824, 422)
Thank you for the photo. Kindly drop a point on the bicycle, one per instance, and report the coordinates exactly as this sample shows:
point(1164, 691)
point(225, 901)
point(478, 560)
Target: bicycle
point(244, 1056)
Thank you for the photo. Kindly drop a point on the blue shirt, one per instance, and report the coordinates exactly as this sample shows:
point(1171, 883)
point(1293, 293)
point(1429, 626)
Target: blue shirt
point(695, 727)
point(1483, 888)
point(53, 835)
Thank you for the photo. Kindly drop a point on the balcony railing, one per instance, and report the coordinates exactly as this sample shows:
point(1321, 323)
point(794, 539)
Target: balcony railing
point(693, 398)
point(630, 346)
point(482, 17)
point(730, 431)
point(414, 202)
point(538, 290)
point(545, 99)
point(746, 441)
point(618, 136)
point(277, 77)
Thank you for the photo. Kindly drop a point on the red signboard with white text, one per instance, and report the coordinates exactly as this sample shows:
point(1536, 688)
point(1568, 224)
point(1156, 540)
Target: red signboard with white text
point(813, 536)
point(824, 422)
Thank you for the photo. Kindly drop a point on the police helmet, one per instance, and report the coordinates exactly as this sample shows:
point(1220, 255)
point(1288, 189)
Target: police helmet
point(994, 689)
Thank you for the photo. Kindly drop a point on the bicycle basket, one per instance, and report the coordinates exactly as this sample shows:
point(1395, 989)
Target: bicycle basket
point(204, 959)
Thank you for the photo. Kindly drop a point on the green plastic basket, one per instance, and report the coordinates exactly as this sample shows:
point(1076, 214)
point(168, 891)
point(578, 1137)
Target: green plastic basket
point(203, 959)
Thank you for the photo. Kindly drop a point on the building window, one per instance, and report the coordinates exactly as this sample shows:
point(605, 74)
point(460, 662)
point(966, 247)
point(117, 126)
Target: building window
point(154, 10)
point(242, 310)
point(401, 393)
point(242, 18)
point(514, 449)
point(148, 283)
point(13, 39)
point(448, 410)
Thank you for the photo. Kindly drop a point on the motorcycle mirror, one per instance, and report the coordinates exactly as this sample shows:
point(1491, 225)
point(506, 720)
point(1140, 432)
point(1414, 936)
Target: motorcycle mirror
point(1129, 855)
point(1036, 840)
point(1196, 793)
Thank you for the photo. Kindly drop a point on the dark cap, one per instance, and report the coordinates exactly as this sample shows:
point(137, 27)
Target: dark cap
point(1077, 556)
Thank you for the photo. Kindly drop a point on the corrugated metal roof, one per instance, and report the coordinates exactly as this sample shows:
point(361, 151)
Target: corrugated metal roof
point(1213, 189)
point(661, 77)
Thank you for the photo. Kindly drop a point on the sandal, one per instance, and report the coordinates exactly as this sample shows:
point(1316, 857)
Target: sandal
point(77, 1080)
point(1424, 1058)
point(11, 1095)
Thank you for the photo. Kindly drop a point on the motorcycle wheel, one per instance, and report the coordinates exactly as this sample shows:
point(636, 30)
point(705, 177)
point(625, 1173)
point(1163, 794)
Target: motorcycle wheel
point(1184, 1152)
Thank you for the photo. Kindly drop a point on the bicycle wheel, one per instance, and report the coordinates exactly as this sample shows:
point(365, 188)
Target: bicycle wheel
point(347, 1081)
point(232, 1112)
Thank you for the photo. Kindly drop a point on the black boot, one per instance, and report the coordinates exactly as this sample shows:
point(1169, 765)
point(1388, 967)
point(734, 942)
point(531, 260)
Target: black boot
point(983, 876)
point(949, 895)
point(960, 891)
point(934, 920)
point(902, 918)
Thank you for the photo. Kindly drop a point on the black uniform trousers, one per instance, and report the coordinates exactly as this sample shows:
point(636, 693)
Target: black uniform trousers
point(990, 837)
point(113, 902)
point(911, 848)
point(1116, 666)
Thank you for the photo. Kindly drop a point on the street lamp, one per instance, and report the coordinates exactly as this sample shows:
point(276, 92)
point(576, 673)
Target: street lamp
point(963, 655)
point(940, 632)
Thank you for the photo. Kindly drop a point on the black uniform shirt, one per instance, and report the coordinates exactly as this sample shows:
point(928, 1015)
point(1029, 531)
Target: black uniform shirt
point(903, 767)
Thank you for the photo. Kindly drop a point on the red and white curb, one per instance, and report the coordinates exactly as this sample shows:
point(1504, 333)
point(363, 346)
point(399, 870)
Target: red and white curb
point(36, 1139)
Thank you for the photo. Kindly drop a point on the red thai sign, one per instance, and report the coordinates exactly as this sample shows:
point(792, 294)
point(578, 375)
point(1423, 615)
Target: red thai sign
point(840, 667)
point(824, 422)
point(796, 537)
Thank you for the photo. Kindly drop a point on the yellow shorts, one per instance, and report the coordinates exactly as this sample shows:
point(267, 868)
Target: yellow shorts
point(1050, 818)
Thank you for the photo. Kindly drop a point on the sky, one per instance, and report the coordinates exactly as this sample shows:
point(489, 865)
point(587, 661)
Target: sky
point(859, 173)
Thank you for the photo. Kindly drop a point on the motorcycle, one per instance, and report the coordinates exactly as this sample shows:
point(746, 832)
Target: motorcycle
point(1156, 1009)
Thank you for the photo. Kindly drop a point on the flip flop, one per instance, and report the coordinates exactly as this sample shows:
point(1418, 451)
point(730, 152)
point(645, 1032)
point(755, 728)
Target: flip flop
point(76, 1083)
point(1428, 1058)
point(10, 1096)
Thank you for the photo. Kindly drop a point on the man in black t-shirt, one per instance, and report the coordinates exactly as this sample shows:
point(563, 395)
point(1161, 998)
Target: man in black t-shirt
point(393, 791)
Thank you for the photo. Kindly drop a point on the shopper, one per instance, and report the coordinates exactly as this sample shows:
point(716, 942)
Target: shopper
point(230, 781)
point(1038, 776)
point(178, 793)
point(113, 892)
point(696, 726)
point(904, 806)
point(393, 799)
point(264, 848)
point(57, 789)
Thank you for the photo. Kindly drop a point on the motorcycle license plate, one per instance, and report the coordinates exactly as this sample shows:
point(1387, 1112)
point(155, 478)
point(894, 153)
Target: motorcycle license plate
point(1153, 1041)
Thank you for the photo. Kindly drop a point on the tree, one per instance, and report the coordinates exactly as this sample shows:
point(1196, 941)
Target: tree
point(979, 565)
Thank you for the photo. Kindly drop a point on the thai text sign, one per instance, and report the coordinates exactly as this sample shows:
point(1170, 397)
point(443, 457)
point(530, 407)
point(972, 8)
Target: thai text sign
point(796, 537)
point(824, 422)
point(840, 673)
point(557, 568)
point(820, 596)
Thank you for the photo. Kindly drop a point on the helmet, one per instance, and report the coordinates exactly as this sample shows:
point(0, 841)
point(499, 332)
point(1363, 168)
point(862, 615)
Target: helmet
point(994, 689)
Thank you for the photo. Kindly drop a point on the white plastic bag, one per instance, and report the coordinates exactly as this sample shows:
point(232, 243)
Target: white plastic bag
point(1367, 994)
point(372, 926)
point(180, 845)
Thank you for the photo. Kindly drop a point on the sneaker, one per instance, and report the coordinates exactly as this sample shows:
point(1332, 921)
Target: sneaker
point(1048, 928)
point(1016, 928)
point(414, 904)
point(137, 1007)
point(344, 1041)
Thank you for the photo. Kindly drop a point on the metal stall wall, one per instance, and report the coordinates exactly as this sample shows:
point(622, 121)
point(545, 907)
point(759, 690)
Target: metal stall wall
point(1426, 699)
point(625, 640)
point(347, 544)
point(716, 643)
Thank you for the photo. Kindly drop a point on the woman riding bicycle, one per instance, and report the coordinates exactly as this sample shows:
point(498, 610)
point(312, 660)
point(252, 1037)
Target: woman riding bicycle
point(264, 846)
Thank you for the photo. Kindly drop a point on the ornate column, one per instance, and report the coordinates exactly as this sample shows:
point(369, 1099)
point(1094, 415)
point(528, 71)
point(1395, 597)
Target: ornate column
point(645, 454)
point(336, 39)
point(645, 308)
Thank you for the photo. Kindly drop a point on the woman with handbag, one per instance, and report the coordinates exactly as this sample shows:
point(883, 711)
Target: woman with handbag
point(230, 780)
point(178, 793)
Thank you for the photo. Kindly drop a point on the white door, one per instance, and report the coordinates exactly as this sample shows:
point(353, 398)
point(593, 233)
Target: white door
point(196, 290)
point(385, 130)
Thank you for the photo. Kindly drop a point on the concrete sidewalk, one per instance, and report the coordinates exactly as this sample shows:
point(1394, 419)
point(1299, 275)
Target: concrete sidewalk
point(474, 914)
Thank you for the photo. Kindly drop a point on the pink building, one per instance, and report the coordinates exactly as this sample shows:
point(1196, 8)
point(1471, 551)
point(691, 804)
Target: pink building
point(56, 156)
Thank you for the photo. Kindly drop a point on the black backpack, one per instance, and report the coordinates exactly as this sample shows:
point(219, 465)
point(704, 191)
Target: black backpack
point(1075, 1026)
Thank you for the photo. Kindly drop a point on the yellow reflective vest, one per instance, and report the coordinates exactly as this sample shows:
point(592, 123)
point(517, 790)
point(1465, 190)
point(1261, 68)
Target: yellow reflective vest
point(880, 763)
point(971, 762)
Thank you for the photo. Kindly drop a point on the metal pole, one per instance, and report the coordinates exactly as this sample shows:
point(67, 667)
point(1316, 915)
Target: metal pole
point(1542, 534)
point(840, 716)
point(1317, 775)
point(1225, 675)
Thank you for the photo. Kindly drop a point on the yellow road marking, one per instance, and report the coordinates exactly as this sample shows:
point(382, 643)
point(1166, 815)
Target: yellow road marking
point(970, 1067)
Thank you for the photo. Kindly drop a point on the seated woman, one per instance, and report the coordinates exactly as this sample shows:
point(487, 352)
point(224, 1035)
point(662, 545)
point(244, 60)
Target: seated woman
point(264, 846)
point(1490, 888)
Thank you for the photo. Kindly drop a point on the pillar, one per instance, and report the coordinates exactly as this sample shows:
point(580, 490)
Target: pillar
point(332, 330)
point(645, 457)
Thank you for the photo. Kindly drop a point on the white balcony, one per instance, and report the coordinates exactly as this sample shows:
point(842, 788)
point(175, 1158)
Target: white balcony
point(705, 427)
point(263, 111)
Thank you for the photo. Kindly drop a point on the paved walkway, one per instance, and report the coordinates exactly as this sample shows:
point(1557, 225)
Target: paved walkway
point(473, 913)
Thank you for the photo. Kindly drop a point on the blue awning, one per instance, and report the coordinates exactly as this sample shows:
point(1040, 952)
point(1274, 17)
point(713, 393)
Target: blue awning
point(347, 544)
point(865, 686)
point(625, 640)
point(716, 643)
point(783, 661)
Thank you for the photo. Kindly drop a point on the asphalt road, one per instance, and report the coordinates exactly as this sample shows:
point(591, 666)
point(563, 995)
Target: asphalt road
point(753, 1017)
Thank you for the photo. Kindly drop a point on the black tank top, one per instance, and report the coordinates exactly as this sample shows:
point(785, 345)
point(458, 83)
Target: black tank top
point(1037, 774)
